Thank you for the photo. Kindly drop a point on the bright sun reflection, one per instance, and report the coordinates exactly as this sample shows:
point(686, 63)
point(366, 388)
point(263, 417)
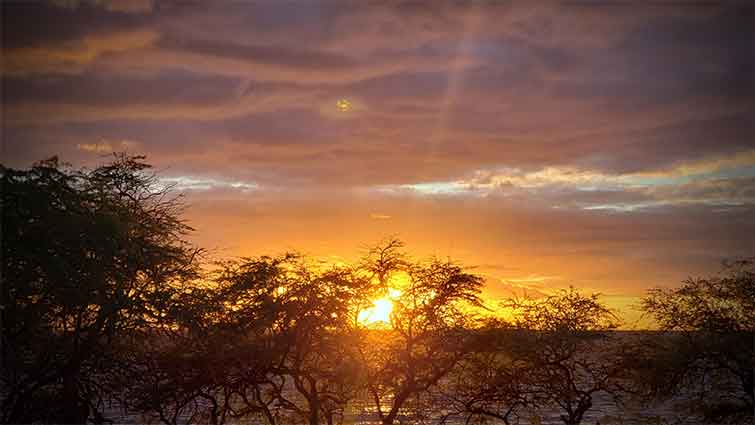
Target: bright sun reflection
point(381, 309)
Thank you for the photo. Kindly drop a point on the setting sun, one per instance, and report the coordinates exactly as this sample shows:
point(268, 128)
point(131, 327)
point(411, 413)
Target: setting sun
point(381, 309)
point(379, 312)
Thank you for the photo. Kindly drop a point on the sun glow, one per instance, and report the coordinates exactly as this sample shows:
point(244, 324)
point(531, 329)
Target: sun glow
point(379, 312)
point(381, 309)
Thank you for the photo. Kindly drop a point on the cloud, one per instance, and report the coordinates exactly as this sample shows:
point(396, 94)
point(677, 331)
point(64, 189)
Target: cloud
point(533, 278)
point(724, 180)
point(92, 98)
point(125, 6)
point(104, 146)
point(198, 183)
point(72, 57)
point(260, 65)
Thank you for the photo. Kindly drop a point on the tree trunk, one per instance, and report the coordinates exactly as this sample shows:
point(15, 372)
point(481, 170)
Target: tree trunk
point(397, 403)
point(314, 412)
point(75, 410)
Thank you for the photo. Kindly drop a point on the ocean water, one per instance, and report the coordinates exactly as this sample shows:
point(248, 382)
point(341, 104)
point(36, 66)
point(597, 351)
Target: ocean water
point(603, 412)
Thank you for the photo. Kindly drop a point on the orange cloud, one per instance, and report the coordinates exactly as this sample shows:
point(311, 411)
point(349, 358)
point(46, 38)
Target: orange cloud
point(104, 146)
point(72, 56)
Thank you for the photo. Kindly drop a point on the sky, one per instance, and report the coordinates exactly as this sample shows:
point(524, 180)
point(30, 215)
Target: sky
point(607, 146)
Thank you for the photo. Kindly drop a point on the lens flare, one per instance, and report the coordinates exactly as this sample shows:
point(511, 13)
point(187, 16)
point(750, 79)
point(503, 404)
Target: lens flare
point(344, 105)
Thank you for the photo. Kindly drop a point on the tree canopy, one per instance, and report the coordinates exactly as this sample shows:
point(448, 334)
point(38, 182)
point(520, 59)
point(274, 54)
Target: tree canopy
point(89, 257)
point(711, 350)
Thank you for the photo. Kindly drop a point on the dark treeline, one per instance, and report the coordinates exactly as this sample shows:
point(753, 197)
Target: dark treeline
point(104, 300)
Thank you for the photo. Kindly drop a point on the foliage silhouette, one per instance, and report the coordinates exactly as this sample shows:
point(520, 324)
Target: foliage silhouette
point(428, 331)
point(89, 257)
point(709, 352)
point(277, 344)
point(557, 351)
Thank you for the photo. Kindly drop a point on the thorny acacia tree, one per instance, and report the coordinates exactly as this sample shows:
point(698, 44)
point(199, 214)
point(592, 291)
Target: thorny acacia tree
point(565, 344)
point(210, 365)
point(556, 352)
point(272, 339)
point(89, 257)
point(710, 342)
point(316, 340)
point(428, 327)
point(489, 384)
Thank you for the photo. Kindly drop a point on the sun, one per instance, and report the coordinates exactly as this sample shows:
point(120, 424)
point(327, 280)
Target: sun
point(381, 309)
point(379, 312)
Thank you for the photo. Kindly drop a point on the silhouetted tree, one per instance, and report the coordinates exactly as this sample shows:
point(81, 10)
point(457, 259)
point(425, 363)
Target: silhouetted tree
point(557, 352)
point(490, 383)
point(275, 338)
point(428, 328)
point(89, 257)
point(206, 365)
point(316, 338)
point(566, 342)
point(708, 350)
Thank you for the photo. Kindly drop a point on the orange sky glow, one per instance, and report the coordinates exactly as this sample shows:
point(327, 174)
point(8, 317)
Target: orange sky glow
point(544, 145)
